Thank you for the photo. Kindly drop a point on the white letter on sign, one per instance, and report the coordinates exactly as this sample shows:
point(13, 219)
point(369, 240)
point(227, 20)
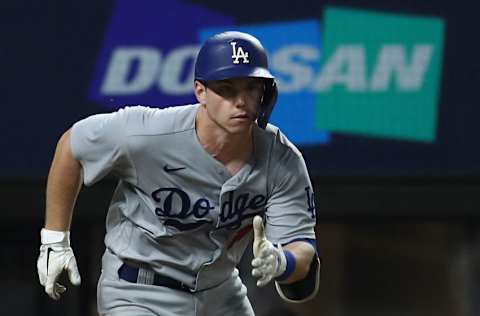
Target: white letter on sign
point(117, 81)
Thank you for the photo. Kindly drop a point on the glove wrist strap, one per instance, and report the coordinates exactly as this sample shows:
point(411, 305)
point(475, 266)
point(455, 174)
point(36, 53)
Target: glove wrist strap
point(48, 236)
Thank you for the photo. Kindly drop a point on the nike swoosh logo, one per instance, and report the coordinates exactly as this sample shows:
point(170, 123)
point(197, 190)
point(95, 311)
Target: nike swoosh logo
point(167, 169)
point(48, 256)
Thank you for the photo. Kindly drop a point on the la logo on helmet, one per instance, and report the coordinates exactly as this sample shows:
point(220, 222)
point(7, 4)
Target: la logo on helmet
point(238, 53)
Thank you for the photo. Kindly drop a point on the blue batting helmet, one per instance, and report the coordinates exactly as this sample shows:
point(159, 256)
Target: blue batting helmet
point(231, 55)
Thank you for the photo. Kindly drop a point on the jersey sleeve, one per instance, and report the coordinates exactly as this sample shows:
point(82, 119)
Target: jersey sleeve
point(99, 143)
point(290, 211)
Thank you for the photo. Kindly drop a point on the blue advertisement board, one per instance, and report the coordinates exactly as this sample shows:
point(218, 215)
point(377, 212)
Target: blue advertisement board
point(356, 102)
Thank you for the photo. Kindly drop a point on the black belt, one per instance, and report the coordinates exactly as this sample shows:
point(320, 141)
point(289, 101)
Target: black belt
point(130, 274)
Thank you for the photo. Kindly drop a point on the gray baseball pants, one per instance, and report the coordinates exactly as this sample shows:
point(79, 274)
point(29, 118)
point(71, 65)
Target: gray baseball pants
point(117, 297)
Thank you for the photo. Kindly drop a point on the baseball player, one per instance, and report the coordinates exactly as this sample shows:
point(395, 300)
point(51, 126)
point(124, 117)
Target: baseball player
point(195, 184)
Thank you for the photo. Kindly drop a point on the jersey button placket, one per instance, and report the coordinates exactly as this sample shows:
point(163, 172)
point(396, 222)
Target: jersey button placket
point(223, 173)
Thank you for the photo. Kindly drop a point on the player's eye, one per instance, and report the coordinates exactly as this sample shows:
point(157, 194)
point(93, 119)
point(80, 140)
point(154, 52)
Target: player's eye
point(257, 88)
point(224, 89)
point(256, 85)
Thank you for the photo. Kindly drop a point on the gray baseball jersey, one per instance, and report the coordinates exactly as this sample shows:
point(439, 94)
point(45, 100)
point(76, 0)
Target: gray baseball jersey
point(178, 209)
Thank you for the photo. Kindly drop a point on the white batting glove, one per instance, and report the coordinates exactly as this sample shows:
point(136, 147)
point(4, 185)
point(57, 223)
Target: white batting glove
point(56, 255)
point(268, 262)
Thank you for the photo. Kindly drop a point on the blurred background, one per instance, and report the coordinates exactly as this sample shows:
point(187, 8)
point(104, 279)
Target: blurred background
point(380, 97)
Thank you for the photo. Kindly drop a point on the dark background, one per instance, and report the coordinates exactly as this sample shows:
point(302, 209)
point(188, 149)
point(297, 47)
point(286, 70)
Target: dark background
point(398, 221)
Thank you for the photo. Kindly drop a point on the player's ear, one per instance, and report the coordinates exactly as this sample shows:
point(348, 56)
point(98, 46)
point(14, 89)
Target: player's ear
point(200, 92)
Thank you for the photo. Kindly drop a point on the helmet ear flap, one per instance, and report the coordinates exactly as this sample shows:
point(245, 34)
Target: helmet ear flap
point(268, 102)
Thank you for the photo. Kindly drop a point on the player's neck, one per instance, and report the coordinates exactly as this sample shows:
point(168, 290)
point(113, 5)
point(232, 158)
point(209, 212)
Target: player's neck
point(227, 149)
point(222, 145)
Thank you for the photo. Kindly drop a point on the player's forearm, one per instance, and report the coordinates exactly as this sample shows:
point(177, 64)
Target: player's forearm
point(64, 183)
point(304, 254)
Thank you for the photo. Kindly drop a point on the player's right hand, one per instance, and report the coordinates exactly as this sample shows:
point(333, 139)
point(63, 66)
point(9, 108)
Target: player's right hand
point(56, 256)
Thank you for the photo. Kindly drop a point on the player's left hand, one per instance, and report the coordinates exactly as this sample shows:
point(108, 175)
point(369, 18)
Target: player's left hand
point(268, 262)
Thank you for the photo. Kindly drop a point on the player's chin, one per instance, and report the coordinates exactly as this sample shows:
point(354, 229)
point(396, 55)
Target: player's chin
point(240, 126)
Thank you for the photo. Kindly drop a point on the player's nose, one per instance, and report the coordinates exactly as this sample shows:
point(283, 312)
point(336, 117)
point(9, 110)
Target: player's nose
point(241, 99)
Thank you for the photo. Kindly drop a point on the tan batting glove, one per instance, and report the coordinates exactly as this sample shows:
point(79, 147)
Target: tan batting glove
point(268, 262)
point(56, 256)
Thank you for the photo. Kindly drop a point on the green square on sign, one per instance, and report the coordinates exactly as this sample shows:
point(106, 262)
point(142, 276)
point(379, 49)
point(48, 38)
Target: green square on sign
point(380, 75)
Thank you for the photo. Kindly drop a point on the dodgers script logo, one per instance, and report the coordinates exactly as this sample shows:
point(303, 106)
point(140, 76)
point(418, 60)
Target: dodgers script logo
point(235, 209)
point(239, 53)
point(175, 207)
